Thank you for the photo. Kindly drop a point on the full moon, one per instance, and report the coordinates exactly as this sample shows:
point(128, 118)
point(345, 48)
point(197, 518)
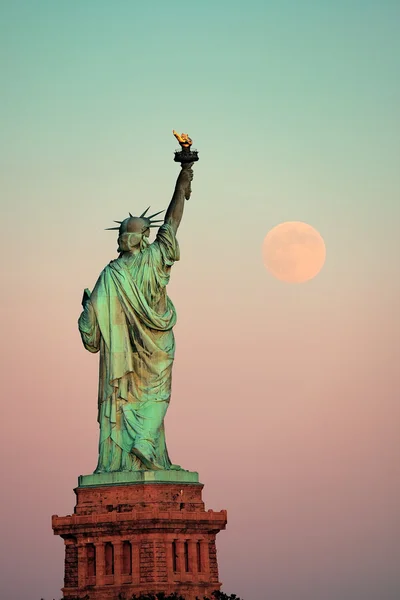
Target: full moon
point(294, 252)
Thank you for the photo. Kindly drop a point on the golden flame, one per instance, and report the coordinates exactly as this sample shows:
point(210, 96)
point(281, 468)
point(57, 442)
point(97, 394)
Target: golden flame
point(183, 139)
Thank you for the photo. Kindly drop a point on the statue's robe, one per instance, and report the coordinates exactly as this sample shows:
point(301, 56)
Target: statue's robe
point(129, 319)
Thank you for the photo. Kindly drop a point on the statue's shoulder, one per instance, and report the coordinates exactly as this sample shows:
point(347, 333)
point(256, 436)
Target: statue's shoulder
point(112, 267)
point(114, 264)
point(165, 235)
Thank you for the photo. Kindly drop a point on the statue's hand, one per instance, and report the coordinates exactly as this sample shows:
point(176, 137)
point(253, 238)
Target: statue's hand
point(185, 178)
point(85, 297)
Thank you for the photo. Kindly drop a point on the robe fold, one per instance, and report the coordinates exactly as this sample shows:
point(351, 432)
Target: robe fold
point(129, 319)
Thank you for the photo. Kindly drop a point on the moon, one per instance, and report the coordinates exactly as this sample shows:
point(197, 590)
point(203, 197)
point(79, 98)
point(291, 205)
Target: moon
point(294, 252)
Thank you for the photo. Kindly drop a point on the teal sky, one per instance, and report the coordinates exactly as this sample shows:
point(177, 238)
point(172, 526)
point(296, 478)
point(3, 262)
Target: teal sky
point(295, 102)
point(294, 108)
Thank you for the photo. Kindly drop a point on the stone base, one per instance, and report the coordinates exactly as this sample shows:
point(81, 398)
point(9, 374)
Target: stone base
point(128, 538)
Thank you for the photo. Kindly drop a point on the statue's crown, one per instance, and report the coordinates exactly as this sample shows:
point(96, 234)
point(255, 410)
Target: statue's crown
point(150, 222)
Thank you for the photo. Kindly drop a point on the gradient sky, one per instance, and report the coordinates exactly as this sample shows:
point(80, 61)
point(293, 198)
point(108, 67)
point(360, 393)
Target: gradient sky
point(285, 397)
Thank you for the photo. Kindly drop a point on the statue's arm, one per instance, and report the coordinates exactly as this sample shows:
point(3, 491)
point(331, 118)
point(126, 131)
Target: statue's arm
point(182, 190)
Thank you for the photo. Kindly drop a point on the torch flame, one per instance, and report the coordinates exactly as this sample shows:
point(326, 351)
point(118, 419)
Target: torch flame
point(183, 139)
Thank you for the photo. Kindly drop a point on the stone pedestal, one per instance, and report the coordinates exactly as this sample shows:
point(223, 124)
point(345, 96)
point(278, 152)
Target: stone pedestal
point(135, 533)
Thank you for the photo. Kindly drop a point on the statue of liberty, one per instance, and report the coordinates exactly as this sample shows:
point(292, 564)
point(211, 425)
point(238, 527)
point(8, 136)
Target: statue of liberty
point(129, 318)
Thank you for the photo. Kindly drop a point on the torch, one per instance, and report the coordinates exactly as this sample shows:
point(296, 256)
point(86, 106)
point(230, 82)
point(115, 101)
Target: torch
point(186, 156)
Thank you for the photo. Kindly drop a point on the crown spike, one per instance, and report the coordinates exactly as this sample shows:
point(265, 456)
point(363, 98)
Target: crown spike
point(111, 228)
point(151, 225)
point(155, 214)
point(118, 222)
point(143, 213)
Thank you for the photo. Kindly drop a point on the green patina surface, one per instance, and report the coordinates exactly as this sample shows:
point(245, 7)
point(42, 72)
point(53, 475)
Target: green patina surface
point(125, 478)
point(128, 318)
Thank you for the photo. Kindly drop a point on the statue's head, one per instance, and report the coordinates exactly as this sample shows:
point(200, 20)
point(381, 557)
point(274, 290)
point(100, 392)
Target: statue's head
point(135, 231)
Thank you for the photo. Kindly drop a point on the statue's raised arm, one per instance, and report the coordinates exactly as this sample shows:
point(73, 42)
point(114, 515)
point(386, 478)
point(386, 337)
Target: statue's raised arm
point(182, 190)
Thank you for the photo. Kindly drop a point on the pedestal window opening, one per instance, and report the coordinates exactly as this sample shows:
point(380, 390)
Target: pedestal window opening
point(186, 556)
point(198, 554)
point(109, 558)
point(174, 557)
point(127, 558)
point(91, 560)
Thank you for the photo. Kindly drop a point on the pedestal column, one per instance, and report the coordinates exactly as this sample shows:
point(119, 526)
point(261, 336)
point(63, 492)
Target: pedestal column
point(180, 561)
point(117, 562)
point(135, 561)
point(82, 565)
point(205, 557)
point(170, 559)
point(193, 556)
point(100, 563)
